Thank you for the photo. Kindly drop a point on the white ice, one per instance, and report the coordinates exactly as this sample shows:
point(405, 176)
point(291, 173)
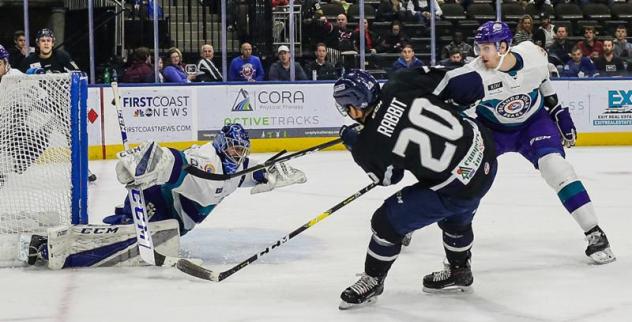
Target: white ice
point(529, 262)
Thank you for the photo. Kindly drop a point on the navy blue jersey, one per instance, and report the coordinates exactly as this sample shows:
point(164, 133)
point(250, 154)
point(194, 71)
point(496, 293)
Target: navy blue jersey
point(412, 129)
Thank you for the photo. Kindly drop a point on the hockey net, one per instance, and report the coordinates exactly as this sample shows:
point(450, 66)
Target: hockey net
point(43, 156)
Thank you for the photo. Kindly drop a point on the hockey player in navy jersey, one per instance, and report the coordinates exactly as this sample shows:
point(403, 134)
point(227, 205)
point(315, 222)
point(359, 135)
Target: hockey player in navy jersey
point(514, 97)
point(404, 127)
point(171, 195)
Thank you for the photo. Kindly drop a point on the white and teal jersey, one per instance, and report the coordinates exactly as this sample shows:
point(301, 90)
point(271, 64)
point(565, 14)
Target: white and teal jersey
point(503, 100)
point(187, 198)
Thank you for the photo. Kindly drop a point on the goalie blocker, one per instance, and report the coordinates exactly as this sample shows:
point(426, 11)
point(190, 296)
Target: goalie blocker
point(171, 193)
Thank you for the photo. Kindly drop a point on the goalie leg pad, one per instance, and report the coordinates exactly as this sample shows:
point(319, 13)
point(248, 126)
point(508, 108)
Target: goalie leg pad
point(107, 245)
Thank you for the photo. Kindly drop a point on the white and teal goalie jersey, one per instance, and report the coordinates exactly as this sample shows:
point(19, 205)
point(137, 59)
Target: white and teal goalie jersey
point(504, 100)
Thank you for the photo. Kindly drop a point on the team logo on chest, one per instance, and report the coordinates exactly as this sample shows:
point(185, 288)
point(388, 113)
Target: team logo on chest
point(514, 106)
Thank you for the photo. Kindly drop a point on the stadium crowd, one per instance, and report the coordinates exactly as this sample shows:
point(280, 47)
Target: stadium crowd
point(582, 38)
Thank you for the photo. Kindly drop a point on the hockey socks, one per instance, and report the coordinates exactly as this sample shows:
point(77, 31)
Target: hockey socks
point(560, 176)
point(380, 256)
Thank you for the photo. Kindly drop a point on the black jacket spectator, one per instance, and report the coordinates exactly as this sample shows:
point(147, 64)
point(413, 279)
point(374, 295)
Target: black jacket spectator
point(324, 71)
point(394, 41)
point(560, 50)
point(18, 50)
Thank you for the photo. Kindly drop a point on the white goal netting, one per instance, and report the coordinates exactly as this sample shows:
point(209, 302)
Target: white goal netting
point(41, 158)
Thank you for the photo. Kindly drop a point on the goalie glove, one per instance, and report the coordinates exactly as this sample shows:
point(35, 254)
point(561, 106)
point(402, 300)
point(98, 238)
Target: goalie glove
point(565, 125)
point(279, 175)
point(145, 165)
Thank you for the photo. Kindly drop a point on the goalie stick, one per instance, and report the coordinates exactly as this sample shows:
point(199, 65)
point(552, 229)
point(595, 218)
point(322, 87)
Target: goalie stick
point(275, 159)
point(187, 266)
point(135, 194)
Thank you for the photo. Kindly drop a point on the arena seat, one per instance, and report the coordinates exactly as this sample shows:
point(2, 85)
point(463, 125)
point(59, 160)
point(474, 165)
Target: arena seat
point(622, 10)
point(481, 12)
point(512, 11)
point(332, 10)
point(596, 11)
point(453, 11)
point(568, 11)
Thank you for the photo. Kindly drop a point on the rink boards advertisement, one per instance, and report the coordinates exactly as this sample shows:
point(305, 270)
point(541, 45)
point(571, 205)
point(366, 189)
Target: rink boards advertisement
point(298, 115)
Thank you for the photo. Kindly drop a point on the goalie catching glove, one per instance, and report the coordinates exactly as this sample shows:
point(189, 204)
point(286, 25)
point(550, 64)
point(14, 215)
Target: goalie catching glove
point(279, 175)
point(146, 165)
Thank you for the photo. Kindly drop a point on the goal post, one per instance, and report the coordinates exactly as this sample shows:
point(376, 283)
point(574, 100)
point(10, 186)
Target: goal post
point(43, 156)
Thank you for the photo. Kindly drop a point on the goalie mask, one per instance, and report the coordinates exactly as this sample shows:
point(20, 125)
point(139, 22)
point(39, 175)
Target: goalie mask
point(233, 146)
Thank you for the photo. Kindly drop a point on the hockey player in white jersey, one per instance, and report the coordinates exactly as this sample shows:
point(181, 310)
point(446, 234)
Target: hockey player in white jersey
point(514, 97)
point(175, 200)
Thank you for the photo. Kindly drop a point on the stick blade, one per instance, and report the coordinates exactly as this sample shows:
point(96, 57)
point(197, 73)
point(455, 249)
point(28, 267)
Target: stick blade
point(188, 267)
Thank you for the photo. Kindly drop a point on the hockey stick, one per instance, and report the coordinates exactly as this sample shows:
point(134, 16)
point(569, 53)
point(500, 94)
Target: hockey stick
point(275, 159)
point(198, 271)
point(135, 193)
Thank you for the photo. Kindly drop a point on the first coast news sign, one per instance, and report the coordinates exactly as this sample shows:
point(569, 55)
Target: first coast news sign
point(195, 113)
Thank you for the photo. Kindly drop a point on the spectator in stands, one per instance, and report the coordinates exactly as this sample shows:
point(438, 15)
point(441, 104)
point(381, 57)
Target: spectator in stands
point(280, 70)
point(391, 10)
point(457, 43)
point(578, 65)
point(174, 70)
point(609, 64)
point(344, 35)
point(544, 36)
point(407, 59)
point(336, 36)
point(208, 72)
point(560, 50)
point(247, 67)
point(140, 70)
point(321, 69)
point(370, 39)
point(420, 10)
point(455, 60)
point(18, 52)
point(394, 41)
point(622, 48)
point(524, 30)
point(46, 58)
point(590, 46)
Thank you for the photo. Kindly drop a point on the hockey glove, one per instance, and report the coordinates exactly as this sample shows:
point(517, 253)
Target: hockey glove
point(279, 175)
point(565, 125)
point(145, 165)
point(349, 134)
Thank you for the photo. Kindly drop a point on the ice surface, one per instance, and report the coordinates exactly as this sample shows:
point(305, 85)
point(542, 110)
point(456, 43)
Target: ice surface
point(529, 262)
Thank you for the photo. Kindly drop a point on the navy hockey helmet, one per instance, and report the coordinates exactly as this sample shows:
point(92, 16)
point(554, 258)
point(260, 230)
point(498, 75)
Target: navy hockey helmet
point(356, 88)
point(233, 146)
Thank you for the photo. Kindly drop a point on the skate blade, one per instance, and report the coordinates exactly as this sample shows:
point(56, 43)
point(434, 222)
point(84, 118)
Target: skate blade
point(449, 290)
point(346, 306)
point(603, 257)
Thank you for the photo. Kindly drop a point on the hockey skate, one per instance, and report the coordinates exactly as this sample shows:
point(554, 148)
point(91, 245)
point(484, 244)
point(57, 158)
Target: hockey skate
point(598, 246)
point(452, 279)
point(364, 291)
